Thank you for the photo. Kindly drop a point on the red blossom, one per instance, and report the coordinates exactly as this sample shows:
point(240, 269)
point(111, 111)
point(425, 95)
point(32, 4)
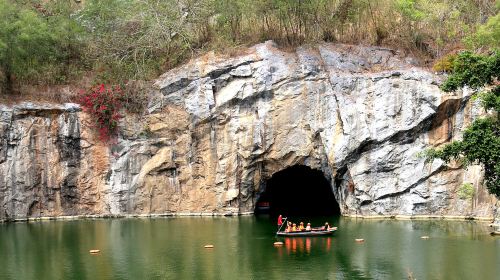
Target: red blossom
point(102, 102)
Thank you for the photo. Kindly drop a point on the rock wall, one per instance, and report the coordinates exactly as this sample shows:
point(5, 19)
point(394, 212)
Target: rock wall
point(40, 161)
point(217, 128)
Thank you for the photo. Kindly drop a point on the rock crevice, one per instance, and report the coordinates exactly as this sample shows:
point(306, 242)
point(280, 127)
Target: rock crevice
point(217, 128)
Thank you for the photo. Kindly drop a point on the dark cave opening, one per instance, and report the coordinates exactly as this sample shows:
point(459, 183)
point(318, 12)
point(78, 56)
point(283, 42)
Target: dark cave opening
point(298, 191)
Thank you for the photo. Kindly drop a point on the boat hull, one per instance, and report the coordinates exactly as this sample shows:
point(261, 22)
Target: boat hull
point(306, 233)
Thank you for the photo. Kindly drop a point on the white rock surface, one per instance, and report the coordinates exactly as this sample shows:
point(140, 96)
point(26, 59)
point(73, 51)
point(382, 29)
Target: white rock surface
point(219, 127)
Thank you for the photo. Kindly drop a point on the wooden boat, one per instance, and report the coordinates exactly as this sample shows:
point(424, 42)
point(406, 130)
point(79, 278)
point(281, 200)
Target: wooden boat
point(314, 232)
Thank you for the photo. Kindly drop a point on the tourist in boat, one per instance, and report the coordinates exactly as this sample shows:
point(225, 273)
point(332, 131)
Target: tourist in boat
point(308, 227)
point(288, 227)
point(327, 226)
point(294, 227)
point(301, 226)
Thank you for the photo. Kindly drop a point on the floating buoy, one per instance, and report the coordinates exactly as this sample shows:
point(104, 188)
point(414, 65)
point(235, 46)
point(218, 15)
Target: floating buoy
point(425, 237)
point(359, 240)
point(278, 244)
point(94, 251)
point(209, 246)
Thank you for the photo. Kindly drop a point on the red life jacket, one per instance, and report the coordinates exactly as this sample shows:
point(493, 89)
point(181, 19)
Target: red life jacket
point(280, 220)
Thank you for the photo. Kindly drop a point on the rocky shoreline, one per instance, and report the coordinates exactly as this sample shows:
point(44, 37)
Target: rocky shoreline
point(231, 214)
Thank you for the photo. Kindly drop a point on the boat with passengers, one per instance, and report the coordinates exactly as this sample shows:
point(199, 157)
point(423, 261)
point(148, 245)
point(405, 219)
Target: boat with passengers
point(301, 231)
point(312, 232)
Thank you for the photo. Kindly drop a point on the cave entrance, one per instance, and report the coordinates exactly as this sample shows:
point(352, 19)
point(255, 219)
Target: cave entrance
point(298, 191)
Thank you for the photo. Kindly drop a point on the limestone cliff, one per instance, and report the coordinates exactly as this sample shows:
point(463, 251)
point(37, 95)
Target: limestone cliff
point(217, 128)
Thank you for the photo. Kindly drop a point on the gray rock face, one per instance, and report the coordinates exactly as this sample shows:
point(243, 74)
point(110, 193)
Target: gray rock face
point(39, 160)
point(217, 128)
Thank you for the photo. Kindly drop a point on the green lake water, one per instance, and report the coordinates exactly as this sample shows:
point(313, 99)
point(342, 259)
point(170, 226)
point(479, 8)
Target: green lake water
point(173, 248)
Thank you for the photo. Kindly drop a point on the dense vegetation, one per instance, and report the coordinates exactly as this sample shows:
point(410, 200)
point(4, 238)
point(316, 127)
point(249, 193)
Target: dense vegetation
point(37, 45)
point(59, 41)
point(481, 140)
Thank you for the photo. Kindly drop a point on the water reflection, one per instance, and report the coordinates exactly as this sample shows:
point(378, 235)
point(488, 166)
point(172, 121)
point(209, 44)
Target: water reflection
point(303, 245)
point(173, 249)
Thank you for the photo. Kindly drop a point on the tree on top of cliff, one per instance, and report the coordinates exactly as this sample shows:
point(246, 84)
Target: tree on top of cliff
point(481, 140)
point(488, 34)
point(35, 44)
point(115, 40)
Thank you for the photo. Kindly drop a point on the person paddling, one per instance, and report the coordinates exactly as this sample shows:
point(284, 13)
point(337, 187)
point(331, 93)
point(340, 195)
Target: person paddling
point(280, 222)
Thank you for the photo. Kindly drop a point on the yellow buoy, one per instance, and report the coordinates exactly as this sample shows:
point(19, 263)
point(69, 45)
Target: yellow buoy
point(94, 251)
point(425, 237)
point(209, 246)
point(359, 240)
point(278, 244)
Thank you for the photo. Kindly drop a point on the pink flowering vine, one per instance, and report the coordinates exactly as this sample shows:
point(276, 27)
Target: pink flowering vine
point(103, 103)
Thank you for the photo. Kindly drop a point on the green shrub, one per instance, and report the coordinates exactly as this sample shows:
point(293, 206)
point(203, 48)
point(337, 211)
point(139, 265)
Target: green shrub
point(491, 99)
point(36, 45)
point(481, 139)
point(466, 191)
point(445, 63)
point(118, 40)
point(487, 35)
point(473, 70)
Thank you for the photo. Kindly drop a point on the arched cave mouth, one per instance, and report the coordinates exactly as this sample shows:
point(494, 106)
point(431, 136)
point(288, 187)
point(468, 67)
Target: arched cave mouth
point(298, 191)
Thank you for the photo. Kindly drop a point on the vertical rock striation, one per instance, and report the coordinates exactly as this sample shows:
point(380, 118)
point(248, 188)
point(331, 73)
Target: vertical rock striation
point(217, 128)
point(39, 160)
point(361, 115)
